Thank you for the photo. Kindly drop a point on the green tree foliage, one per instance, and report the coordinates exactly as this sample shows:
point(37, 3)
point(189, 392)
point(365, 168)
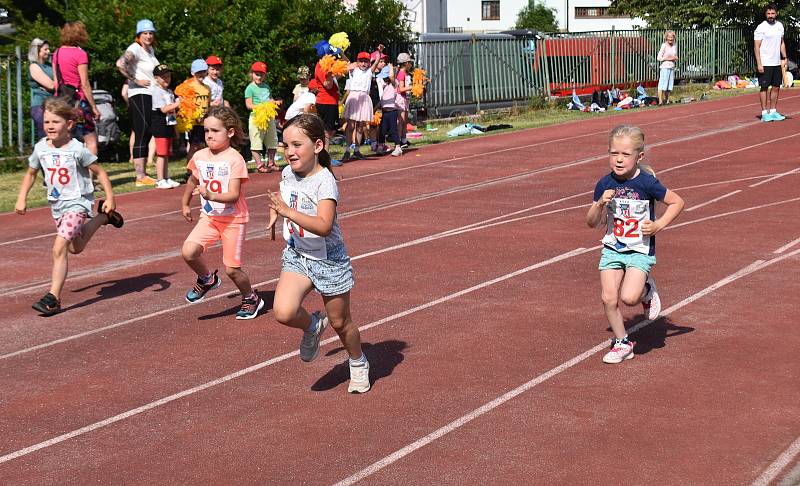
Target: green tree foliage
point(537, 16)
point(281, 33)
point(705, 13)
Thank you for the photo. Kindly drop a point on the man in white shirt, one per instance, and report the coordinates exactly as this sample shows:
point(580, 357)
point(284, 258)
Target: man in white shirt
point(770, 51)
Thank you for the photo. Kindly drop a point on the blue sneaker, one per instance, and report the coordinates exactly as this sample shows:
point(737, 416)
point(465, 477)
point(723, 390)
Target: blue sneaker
point(336, 162)
point(250, 307)
point(767, 117)
point(777, 116)
point(200, 289)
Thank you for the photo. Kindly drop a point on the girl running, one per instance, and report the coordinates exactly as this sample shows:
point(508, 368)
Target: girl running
point(218, 172)
point(68, 168)
point(627, 197)
point(315, 256)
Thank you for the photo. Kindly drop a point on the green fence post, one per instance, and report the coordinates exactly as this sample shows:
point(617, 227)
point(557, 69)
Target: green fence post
point(612, 67)
point(713, 52)
point(475, 89)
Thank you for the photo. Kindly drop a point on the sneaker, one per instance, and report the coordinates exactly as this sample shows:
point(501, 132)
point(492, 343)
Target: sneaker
point(173, 183)
point(346, 157)
point(114, 218)
point(145, 181)
point(48, 305)
point(405, 144)
point(359, 378)
point(777, 116)
point(398, 151)
point(767, 117)
point(358, 156)
point(164, 184)
point(374, 146)
point(336, 163)
point(309, 345)
point(200, 289)
point(652, 301)
point(250, 307)
point(620, 351)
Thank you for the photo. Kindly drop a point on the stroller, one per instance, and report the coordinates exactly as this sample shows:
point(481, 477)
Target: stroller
point(107, 127)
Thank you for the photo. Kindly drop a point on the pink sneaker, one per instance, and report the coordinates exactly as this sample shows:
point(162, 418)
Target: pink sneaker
point(651, 304)
point(620, 351)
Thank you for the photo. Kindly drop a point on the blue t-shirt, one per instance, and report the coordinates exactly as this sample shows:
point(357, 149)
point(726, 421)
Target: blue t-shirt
point(634, 202)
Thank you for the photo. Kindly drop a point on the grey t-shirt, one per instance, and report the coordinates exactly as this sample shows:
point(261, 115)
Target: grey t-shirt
point(66, 173)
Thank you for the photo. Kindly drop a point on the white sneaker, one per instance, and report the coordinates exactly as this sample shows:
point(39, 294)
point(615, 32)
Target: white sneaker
point(359, 378)
point(398, 151)
point(309, 345)
point(652, 301)
point(164, 184)
point(173, 183)
point(620, 351)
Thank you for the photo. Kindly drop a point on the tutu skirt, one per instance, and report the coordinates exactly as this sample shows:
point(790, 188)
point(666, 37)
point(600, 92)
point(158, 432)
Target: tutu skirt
point(358, 107)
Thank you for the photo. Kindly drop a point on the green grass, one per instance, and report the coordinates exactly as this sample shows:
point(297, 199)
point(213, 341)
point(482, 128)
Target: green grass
point(123, 178)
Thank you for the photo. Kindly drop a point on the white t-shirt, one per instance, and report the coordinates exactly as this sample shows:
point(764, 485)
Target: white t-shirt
point(304, 195)
point(215, 87)
point(66, 173)
point(145, 63)
point(305, 99)
point(161, 98)
point(770, 37)
point(359, 80)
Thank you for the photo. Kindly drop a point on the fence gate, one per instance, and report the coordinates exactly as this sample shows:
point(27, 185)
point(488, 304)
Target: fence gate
point(11, 120)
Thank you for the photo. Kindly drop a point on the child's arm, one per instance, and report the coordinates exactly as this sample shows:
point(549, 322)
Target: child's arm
point(595, 214)
point(674, 207)
point(186, 199)
point(171, 107)
point(24, 189)
point(234, 185)
point(248, 102)
point(321, 224)
point(101, 175)
point(273, 218)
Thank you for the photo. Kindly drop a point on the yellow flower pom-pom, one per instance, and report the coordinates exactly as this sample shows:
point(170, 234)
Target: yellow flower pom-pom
point(376, 118)
point(340, 40)
point(418, 81)
point(189, 113)
point(263, 113)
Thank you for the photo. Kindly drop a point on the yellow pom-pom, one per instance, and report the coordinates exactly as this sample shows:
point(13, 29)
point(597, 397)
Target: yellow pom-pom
point(189, 113)
point(264, 113)
point(339, 40)
point(376, 118)
point(341, 110)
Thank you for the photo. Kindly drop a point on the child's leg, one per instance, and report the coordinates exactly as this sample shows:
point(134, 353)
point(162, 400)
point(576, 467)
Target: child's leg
point(193, 256)
point(633, 289)
point(60, 266)
point(272, 143)
point(289, 294)
point(391, 120)
point(610, 281)
point(337, 308)
point(87, 231)
point(240, 279)
point(151, 151)
point(161, 168)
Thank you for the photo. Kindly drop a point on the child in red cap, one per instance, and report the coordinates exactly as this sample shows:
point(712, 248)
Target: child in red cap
point(358, 106)
point(214, 82)
point(257, 92)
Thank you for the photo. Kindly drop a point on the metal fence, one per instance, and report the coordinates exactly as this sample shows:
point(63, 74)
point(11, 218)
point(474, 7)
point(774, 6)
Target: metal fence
point(11, 105)
point(485, 70)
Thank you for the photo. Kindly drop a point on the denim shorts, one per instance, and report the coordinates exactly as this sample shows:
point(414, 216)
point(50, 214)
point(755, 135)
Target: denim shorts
point(614, 260)
point(333, 276)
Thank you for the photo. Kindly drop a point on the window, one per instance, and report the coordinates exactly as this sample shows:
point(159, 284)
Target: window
point(594, 13)
point(490, 10)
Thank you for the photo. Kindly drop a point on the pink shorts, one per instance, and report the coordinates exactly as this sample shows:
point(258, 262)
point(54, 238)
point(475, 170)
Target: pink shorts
point(70, 225)
point(232, 235)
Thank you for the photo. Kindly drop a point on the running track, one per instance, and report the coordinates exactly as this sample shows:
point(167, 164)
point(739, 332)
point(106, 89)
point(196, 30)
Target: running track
point(478, 298)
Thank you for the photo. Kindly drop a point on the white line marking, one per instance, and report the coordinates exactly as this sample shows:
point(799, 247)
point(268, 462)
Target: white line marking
point(670, 169)
point(787, 246)
point(781, 462)
point(776, 177)
point(488, 407)
point(283, 357)
point(713, 200)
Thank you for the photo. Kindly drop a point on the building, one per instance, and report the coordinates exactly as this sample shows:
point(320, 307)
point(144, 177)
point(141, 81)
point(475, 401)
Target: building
point(486, 16)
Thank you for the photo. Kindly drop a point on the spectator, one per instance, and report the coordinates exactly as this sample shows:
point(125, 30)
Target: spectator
point(40, 80)
point(770, 51)
point(302, 83)
point(667, 56)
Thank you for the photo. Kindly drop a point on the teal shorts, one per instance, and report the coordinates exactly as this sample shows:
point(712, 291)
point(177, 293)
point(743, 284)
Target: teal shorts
point(614, 260)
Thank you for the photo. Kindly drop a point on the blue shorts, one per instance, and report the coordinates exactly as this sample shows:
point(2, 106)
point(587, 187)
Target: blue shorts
point(614, 260)
point(330, 277)
point(666, 79)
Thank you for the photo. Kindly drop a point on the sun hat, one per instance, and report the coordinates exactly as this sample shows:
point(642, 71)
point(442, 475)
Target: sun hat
point(145, 25)
point(213, 60)
point(161, 69)
point(384, 73)
point(362, 55)
point(302, 72)
point(258, 67)
point(377, 55)
point(199, 65)
point(403, 57)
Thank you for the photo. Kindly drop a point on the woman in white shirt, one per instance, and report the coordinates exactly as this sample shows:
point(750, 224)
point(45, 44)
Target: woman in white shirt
point(667, 56)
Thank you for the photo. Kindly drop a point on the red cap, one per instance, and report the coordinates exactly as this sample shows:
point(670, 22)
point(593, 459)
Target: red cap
point(259, 67)
point(213, 60)
point(362, 55)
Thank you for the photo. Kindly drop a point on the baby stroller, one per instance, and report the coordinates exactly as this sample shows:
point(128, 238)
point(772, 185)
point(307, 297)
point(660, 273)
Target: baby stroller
point(107, 127)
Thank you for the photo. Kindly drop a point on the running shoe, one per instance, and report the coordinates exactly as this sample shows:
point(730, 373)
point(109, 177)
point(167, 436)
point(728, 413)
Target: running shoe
point(620, 351)
point(359, 378)
point(336, 163)
point(164, 184)
point(651, 304)
point(777, 116)
point(48, 305)
point(114, 218)
point(250, 307)
point(397, 152)
point(173, 183)
point(767, 117)
point(309, 345)
point(201, 288)
point(145, 181)
point(358, 156)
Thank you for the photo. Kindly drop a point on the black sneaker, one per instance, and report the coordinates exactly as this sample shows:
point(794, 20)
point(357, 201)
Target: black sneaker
point(200, 289)
point(358, 156)
point(48, 305)
point(114, 218)
point(405, 144)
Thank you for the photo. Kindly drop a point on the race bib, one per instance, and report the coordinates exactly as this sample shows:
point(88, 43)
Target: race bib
point(60, 175)
point(625, 217)
point(305, 242)
point(215, 177)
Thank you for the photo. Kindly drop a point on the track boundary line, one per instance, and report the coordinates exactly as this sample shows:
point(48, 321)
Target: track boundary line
point(780, 463)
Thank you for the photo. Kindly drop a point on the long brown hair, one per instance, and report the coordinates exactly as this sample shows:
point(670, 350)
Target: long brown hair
point(314, 129)
point(230, 119)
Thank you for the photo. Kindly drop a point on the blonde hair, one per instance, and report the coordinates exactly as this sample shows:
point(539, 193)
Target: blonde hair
point(634, 133)
point(59, 107)
point(667, 33)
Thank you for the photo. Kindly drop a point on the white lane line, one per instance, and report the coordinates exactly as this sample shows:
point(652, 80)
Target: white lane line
point(781, 462)
point(711, 201)
point(488, 407)
point(778, 176)
point(787, 246)
point(283, 357)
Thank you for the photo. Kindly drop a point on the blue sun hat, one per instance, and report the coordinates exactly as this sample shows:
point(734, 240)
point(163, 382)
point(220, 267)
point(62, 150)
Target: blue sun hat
point(145, 25)
point(199, 65)
point(322, 47)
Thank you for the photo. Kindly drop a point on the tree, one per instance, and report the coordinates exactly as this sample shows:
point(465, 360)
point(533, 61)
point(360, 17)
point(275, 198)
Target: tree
point(689, 14)
point(537, 16)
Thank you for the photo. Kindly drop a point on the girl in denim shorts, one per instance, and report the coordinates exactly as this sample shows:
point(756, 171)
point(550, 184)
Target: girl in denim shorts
point(315, 256)
point(627, 197)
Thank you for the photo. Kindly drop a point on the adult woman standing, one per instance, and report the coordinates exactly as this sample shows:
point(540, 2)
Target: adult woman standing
point(667, 56)
point(71, 67)
point(40, 80)
point(137, 66)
